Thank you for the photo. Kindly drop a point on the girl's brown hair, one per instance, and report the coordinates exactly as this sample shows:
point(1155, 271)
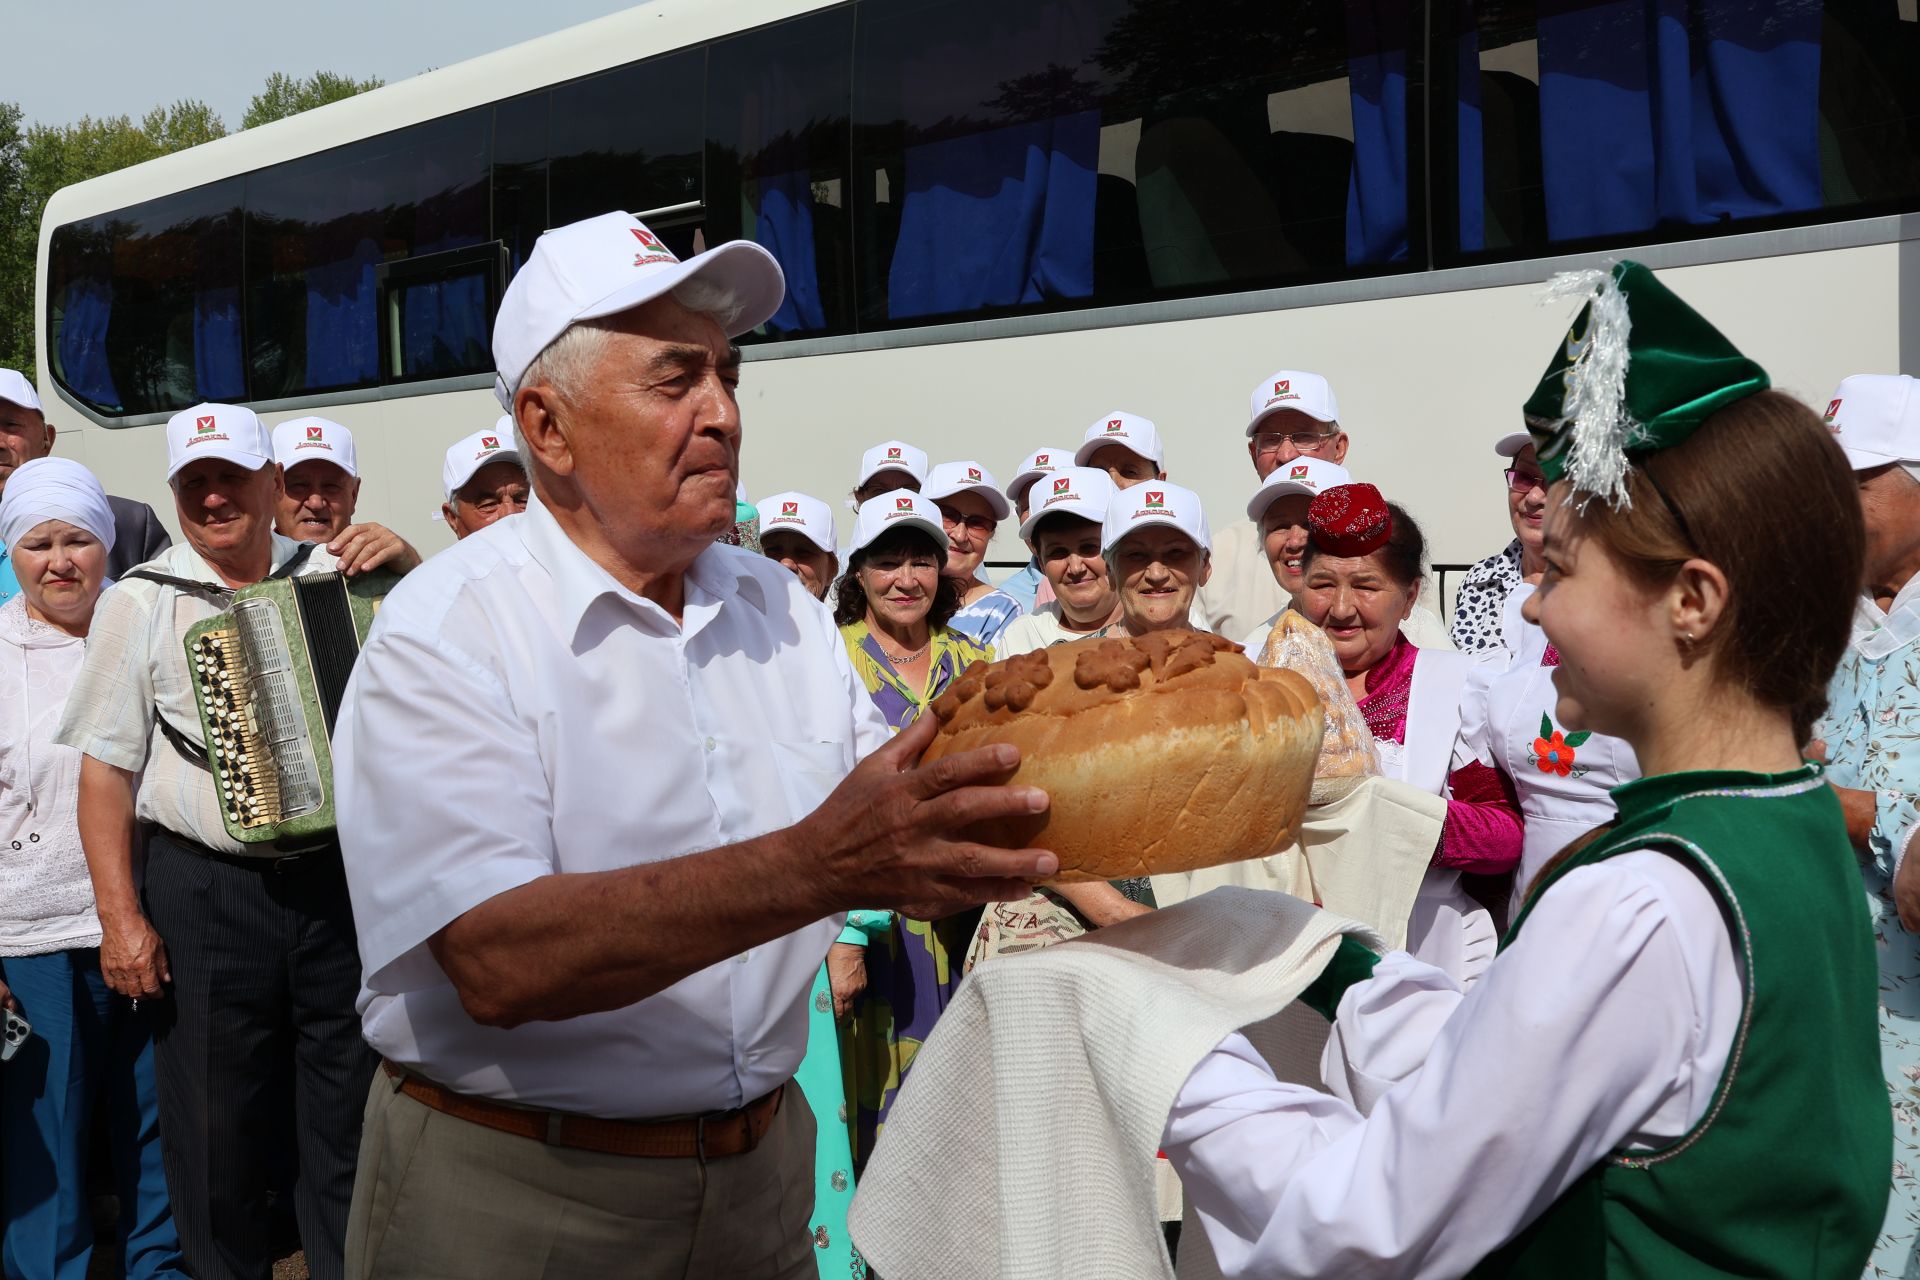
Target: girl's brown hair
point(1764, 493)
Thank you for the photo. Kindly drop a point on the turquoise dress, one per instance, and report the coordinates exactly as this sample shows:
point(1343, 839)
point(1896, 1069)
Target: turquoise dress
point(823, 1081)
point(1872, 732)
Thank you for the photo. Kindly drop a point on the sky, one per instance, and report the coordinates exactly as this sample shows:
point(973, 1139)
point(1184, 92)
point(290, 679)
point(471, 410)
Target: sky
point(112, 57)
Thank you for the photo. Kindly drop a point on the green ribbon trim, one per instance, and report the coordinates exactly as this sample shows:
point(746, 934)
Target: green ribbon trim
point(1352, 962)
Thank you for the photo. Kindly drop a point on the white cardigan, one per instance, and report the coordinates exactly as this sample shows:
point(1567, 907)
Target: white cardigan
point(46, 896)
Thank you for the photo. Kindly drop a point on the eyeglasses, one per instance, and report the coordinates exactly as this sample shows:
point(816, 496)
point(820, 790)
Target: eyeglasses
point(1302, 441)
point(979, 524)
point(1524, 481)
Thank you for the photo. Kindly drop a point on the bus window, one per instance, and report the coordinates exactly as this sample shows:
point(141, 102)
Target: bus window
point(144, 304)
point(1743, 117)
point(1103, 151)
point(318, 228)
point(520, 173)
point(777, 141)
point(630, 139)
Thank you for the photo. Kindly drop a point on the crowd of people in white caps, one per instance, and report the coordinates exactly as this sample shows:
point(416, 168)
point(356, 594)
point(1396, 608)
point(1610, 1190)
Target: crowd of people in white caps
point(641, 909)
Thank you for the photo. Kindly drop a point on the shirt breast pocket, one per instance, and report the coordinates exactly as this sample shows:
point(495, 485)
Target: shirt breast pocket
point(809, 771)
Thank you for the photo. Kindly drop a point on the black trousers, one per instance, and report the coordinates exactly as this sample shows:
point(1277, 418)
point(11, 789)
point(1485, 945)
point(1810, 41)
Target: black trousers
point(266, 968)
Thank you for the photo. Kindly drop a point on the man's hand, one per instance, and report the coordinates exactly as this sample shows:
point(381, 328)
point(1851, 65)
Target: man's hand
point(888, 836)
point(133, 960)
point(847, 975)
point(361, 547)
point(1858, 808)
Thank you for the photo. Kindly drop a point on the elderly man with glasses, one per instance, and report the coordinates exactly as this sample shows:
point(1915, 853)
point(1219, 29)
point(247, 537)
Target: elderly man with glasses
point(1483, 592)
point(1294, 415)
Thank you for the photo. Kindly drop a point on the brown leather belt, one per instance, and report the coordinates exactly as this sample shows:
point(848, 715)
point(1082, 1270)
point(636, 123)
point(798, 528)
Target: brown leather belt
point(711, 1136)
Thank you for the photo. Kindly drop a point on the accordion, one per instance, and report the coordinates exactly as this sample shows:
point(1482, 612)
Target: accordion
point(268, 676)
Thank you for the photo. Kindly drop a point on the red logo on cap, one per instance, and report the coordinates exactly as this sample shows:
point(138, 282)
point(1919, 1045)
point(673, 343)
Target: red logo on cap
point(1283, 386)
point(313, 433)
point(489, 442)
point(203, 425)
point(973, 473)
point(893, 454)
point(1113, 425)
point(1039, 459)
point(789, 508)
point(1298, 473)
point(1833, 409)
point(1156, 498)
point(903, 504)
point(1063, 484)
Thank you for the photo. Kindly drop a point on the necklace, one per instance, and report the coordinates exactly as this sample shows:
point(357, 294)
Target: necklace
point(897, 658)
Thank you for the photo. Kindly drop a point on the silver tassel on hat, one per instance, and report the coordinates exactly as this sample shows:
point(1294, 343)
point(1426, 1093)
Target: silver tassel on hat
point(1596, 386)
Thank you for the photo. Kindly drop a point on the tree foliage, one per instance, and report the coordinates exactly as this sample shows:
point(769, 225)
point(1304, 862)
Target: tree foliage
point(287, 95)
point(36, 160)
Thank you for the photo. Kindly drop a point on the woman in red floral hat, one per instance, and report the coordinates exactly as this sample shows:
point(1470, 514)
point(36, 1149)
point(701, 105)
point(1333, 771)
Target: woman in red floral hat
point(1361, 579)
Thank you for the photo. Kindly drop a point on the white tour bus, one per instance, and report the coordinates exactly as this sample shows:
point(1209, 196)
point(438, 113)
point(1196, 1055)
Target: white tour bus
point(1001, 219)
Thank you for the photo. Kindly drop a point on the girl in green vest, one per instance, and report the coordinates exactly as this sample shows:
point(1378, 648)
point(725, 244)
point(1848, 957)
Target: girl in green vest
point(1671, 1069)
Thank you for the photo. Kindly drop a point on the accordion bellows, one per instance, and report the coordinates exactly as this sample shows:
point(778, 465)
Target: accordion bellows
point(268, 676)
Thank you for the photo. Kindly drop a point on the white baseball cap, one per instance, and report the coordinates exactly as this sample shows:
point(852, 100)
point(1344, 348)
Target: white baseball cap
point(1040, 462)
point(892, 455)
point(1292, 389)
point(901, 509)
point(217, 431)
point(1302, 475)
point(15, 389)
point(1076, 491)
point(604, 265)
point(1510, 445)
point(467, 456)
point(1876, 419)
point(300, 440)
point(1130, 431)
point(792, 512)
point(950, 478)
point(1154, 502)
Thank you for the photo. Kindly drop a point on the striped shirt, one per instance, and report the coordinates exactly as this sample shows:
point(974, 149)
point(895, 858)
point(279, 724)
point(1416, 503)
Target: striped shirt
point(136, 663)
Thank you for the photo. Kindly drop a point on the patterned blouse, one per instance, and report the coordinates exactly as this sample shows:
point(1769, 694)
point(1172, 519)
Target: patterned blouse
point(897, 703)
point(1482, 598)
point(984, 619)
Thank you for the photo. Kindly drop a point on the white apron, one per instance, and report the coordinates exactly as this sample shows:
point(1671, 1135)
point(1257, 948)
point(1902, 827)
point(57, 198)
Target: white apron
point(1447, 929)
point(1502, 717)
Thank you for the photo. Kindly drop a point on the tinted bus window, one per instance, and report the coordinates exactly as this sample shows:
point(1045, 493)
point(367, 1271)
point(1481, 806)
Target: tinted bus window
point(630, 139)
point(520, 174)
point(777, 138)
point(317, 229)
point(1584, 124)
point(144, 304)
point(1011, 154)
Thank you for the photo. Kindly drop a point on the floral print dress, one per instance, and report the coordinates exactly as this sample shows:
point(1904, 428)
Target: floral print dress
point(1872, 735)
point(913, 966)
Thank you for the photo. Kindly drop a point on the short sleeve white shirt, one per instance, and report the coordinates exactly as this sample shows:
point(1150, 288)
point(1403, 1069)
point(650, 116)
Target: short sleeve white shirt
point(518, 713)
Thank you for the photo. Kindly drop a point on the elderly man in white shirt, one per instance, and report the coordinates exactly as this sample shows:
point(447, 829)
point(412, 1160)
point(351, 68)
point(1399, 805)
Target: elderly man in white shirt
point(603, 806)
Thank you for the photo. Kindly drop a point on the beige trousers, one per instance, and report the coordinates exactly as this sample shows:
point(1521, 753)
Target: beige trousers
point(435, 1196)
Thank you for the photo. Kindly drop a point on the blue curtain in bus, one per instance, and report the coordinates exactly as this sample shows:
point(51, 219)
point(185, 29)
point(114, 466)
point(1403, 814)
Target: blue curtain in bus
point(444, 327)
point(1377, 87)
point(1677, 111)
point(783, 225)
point(217, 371)
point(342, 336)
point(82, 345)
point(997, 218)
point(1467, 119)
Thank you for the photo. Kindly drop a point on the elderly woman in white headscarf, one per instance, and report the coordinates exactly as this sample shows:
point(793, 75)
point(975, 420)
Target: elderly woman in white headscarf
point(85, 1042)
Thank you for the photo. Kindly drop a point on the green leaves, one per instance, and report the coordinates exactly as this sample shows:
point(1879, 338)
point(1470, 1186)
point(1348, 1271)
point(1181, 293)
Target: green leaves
point(1572, 739)
point(1578, 739)
point(1546, 725)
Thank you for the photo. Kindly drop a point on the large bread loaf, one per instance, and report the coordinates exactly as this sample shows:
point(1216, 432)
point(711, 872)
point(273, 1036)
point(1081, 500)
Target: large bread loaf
point(1166, 753)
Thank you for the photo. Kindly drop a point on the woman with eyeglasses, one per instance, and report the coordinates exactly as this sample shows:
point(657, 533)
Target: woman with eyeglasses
point(971, 509)
point(894, 604)
point(1483, 593)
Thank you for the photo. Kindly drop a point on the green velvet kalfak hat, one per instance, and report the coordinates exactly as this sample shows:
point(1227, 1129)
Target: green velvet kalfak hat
point(1638, 372)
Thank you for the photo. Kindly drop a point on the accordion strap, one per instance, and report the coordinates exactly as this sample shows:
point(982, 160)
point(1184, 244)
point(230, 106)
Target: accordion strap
point(217, 590)
point(195, 753)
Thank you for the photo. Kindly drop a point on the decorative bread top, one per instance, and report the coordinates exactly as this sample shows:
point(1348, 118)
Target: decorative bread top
point(1069, 678)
